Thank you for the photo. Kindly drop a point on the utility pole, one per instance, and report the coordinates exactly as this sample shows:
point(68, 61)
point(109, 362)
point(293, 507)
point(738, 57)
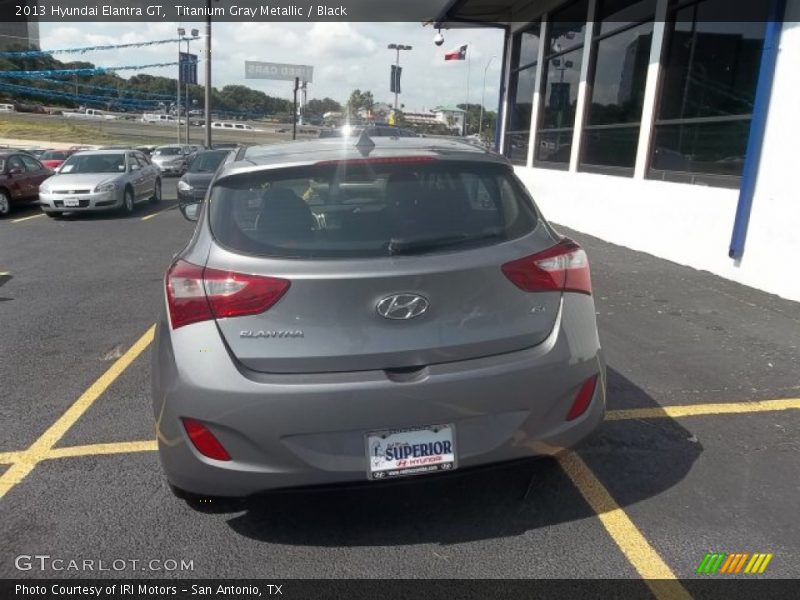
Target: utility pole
point(483, 96)
point(396, 82)
point(207, 101)
point(193, 67)
point(181, 32)
point(294, 110)
point(466, 107)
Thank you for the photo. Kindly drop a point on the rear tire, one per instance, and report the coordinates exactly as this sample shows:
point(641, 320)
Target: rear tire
point(127, 202)
point(156, 197)
point(5, 203)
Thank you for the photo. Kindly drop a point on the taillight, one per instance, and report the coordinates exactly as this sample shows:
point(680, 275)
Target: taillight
point(197, 294)
point(564, 267)
point(583, 398)
point(204, 440)
point(186, 297)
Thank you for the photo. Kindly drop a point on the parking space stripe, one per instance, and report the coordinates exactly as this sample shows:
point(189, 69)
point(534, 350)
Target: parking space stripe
point(6, 458)
point(94, 449)
point(644, 558)
point(696, 410)
point(155, 214)
point(27, 460)
point(20, 220)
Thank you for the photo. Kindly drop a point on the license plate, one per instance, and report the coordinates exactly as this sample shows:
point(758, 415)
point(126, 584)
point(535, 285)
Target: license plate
point(72, 202)
point(415, 451)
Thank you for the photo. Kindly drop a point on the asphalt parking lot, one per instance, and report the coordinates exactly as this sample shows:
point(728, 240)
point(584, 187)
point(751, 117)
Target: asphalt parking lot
point(699, 453)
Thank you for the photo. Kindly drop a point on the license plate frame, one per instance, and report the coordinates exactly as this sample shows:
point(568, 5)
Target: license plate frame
point(72, 202)
point(430, 457)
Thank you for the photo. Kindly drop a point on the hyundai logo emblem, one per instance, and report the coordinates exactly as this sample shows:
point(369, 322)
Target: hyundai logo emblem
point(402, 307)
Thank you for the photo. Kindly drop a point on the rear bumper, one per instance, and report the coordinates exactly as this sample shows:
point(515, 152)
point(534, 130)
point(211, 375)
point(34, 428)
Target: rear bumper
point(168, 169)
point(300, 430)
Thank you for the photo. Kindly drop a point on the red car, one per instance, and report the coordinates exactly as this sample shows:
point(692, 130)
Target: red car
point(52, 159)
point(20, 177)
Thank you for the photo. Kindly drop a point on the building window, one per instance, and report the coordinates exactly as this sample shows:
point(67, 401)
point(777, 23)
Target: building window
point(560, 79)
point(524, 59)
point(708, 87)
point(617, 81)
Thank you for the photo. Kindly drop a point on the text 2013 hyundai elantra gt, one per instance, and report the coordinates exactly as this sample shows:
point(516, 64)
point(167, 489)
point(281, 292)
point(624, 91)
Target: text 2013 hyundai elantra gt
point(366, 311)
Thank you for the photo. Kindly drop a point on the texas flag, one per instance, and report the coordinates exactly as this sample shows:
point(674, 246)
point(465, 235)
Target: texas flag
point(460, 54)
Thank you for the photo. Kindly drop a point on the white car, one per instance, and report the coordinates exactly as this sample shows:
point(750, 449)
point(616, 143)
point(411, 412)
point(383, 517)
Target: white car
point(101, 180)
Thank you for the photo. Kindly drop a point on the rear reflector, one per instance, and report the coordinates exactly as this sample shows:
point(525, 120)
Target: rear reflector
point(204, 440)
point(563, 267)
point(197, 294)
point(583, 398)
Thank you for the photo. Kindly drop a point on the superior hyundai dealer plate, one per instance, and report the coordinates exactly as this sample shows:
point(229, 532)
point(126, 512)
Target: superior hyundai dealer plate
point(415, 451)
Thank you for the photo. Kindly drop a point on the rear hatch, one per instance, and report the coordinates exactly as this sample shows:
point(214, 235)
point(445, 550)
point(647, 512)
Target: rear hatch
point(385, 264)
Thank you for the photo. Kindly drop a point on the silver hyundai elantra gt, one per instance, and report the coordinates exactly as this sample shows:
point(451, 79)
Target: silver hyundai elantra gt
point(363, 311)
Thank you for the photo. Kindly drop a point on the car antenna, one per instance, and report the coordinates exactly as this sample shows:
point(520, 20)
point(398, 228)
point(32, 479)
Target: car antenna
point(365, 145)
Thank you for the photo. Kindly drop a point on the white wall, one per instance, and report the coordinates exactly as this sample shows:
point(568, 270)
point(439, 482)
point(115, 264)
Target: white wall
point(692, 224)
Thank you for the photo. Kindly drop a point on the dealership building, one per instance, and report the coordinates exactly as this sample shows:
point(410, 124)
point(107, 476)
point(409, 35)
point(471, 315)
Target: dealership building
point(668, 126)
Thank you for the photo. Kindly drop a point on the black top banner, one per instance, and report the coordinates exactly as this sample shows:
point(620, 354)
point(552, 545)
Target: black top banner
point(480, 12)
point(221, 10)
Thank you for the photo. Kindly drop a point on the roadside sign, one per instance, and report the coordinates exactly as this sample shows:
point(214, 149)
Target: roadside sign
point(279, 71)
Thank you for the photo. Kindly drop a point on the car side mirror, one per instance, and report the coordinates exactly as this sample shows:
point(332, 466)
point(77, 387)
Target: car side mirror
point(191, 211)
point(135, 167)
point(14, 171)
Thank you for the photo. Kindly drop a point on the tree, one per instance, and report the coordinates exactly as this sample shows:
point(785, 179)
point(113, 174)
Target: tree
point(473, 115)
point(359, 100)
point(139, 92)
point(320, 107)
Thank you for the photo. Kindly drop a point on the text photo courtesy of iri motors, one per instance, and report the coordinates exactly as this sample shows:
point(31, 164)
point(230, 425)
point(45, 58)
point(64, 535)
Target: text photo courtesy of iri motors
point(390, 299)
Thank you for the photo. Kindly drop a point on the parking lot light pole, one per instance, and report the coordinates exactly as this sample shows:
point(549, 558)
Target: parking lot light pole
point(207, 96)
point(194, 33)
point(483, 95)
point(397, 47)
point(181, 32)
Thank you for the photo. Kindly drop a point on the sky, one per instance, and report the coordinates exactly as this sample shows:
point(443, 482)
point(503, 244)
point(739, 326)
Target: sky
point(345, 56)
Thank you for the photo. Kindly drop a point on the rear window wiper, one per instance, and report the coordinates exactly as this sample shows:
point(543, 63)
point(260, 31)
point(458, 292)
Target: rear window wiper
point(421, 244)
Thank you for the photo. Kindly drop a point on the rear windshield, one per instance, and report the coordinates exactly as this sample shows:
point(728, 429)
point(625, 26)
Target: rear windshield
point(168, 151)
point(369, 210)
point(207, 162)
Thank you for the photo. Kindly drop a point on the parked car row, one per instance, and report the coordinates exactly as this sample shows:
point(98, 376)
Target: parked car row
point(109, 178)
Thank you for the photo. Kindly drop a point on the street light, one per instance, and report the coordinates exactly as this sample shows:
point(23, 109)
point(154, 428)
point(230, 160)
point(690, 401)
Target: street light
point(483, 95)
point(195, 34)
point(397, 47)
point(181, 33)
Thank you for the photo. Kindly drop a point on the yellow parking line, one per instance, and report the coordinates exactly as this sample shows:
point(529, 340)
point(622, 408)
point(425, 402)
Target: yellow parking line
point(94, 449)
point(20, 220)
point(696, 410)
point(6, 458)
point(644, 558)
point(28, 459)
point(155, 214)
